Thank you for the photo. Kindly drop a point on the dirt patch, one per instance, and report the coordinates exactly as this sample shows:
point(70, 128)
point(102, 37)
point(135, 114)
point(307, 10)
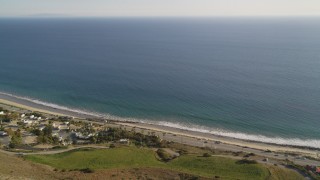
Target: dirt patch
point(135, 173)
point(12, 167)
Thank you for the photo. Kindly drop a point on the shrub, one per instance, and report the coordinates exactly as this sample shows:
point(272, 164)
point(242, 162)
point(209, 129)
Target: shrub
point(112, 146)
point(246, 161)
point(87, 170)
point(164, 155)
point(206, 155)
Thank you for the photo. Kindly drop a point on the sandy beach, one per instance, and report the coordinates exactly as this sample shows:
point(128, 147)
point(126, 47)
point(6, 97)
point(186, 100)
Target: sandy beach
point(33, 106)
point(183, 136)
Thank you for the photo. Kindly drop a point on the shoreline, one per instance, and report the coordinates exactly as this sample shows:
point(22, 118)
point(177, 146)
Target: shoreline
point(33, 106)
point(28, 104)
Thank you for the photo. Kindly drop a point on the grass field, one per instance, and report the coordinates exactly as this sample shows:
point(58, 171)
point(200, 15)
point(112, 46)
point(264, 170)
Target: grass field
point(131, 157)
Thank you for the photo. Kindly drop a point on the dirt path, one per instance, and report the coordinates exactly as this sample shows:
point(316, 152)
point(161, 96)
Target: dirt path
point(54, 151)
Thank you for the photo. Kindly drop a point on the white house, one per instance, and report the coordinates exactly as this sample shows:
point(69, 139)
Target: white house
point(2, 133)
point(55, 125)
point(41, 127)
point(25, 121)
point(1, 113)
point(124, 141)
point(23, 115)
point(81, 136)
point(32, 116)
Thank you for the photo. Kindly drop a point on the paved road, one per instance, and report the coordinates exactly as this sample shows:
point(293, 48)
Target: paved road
point(55, 151)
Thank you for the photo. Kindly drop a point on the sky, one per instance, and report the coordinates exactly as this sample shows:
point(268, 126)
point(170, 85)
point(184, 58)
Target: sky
point(131, 8)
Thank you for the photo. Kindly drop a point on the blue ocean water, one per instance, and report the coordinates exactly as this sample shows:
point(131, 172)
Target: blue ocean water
point(238, 76)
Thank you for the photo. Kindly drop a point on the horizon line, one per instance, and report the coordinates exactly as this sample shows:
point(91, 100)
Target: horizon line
point(133, 17)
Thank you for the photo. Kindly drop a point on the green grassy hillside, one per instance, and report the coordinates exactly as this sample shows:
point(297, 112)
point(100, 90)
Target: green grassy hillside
point(132, 157)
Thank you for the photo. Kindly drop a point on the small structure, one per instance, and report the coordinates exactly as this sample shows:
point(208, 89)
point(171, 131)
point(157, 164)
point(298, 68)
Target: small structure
point(124, 141)
point(1, 113)
point(25, 121)
point(41, 127)
point(318, 170)
point(74, 127)
point(32, 116)
point(56, 125)
point(3, 133)
point(81, 136)
point(22, 115)
point(63, 127)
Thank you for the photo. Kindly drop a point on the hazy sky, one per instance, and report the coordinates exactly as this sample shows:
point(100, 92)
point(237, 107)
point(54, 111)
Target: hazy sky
point(159, 7)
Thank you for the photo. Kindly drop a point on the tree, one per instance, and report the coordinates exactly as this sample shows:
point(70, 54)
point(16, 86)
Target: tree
point(93, 139)
point(10, 132)
point(5, 118)
point(16, 139)
point(14, 116)
point(47, 131)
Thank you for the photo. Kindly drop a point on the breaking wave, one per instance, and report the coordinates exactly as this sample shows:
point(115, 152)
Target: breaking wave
point(312, 143)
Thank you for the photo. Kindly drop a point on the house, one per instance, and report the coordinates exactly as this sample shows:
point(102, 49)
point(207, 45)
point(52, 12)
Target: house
point(25, 121)
point(2, 133)
point(41, 127)
point(1, 113)
point(63, 127)
point(64, 143)
point(32, 116)
point(39, 118)
point(22, 115)
point(55, 133)
point(73, 127)
point(124, 141)
point(56, 126)
point(81, 136)
point(318, 170)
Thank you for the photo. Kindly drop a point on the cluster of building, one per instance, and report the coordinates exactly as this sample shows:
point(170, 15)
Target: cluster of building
point(31, 120)
point(66, 132)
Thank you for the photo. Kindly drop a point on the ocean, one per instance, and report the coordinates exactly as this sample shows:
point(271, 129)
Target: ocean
point(248, 78)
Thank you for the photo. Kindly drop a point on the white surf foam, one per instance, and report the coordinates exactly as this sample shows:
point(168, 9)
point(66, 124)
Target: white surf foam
point(313, 143)
point(54, 106)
